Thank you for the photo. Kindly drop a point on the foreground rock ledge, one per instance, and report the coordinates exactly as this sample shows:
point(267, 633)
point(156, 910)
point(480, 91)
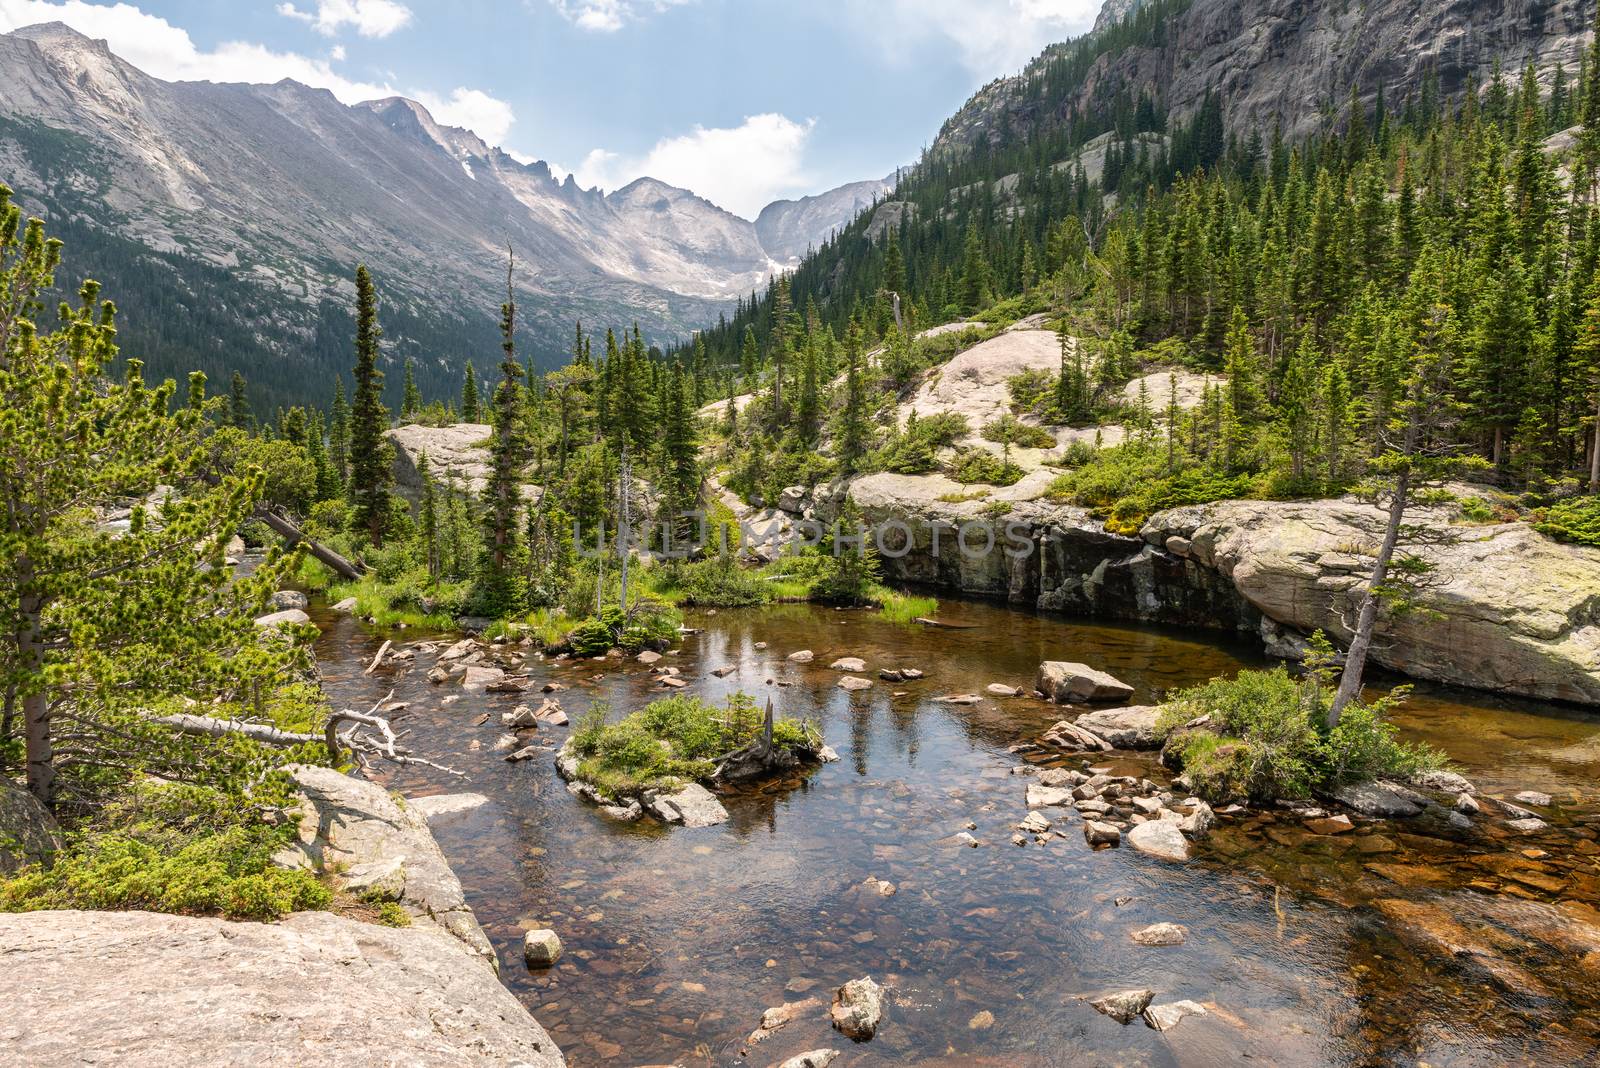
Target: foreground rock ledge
point(138, 988)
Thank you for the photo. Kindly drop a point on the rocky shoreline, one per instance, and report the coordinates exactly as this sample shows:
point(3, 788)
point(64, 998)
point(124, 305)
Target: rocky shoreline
point(145, 988)
point(1512, 611)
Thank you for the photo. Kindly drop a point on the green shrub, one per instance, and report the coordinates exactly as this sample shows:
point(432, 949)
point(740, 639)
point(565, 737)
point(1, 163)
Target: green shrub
point(1127, 484)
point(670, 742)
point(718, 583)
point(1265, 737)
point(913, 450)
point(979, 465)
point(1576, 520)
point(1033, 392)
point(1008, 428)
point(166, 848)
point(590, 638)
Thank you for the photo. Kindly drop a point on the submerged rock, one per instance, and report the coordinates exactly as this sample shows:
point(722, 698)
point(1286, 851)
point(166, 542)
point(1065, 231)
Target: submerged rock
point(1378, 800)
point(1161, 934)
point(1064, 682)
point(440, 806)
point(858, 1009)
point(815, 1058)
point(1124, 1005)
point(1533, 797)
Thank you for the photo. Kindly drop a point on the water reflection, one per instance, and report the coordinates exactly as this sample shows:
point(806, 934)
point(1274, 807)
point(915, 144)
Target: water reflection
point(678, 940)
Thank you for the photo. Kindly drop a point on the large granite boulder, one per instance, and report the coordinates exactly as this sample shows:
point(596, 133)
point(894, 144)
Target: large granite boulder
point(371, 843)
point(1133, 727)
point(460, 450)
point(28, 833)
point(144, 989)
point(1510, 610)
point(1064, 681)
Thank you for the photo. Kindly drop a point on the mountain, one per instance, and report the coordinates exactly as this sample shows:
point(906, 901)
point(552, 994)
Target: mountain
point(1158, 89)
point(789, 229)
point(228, 219)
point(1269, 61)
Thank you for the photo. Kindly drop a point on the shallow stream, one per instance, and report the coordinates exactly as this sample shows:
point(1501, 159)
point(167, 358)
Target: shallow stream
point(1406, 942)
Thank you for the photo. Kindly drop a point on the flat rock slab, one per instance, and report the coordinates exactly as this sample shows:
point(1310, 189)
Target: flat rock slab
point(1166, 1017)
point(1378, 800)
point(692, 806)
point(1161, 934)
point(141, 989)
point(1064, 681)
point(849, 663)
point(440, 806)
point(1160, 838)
point(1133, 727)
point(289, 617)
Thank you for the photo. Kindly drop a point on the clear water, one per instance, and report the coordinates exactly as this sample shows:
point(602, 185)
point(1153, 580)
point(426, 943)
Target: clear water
point(1405, 943)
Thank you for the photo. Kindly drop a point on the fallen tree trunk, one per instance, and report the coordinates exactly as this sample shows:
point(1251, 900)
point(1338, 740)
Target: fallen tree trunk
point(360, 746)
point(295, 536)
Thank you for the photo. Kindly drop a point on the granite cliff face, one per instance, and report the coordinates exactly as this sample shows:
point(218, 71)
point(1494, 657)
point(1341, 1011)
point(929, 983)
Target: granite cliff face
point(1287, 60)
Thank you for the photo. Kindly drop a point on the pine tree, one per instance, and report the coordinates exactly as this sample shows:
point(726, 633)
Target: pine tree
point(503, 494)
point(853, 431)
point(428, 520)
point(239, 413)
point(975, 292)
point(100, 635)
point(469, 396)
point(339, 434)
point(410, 397)
point(371, 473)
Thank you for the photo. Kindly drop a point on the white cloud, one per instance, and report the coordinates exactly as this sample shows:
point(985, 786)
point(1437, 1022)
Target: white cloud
point(369, 18)
point(489, 118)
point(741, 168)
point(609, 16)
point(993, 37)
point(166, 51)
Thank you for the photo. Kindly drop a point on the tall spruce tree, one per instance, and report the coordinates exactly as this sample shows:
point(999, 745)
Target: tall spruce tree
point(371, 472)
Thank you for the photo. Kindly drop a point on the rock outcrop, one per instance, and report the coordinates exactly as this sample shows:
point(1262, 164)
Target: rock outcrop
point(28, 833)
point(371, 843)
point(142, 989)
point(458, 451)
point(1507, 608)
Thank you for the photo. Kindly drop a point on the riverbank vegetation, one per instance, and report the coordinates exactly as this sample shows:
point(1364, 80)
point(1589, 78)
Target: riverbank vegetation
point(675, 741)
point(1263, 736)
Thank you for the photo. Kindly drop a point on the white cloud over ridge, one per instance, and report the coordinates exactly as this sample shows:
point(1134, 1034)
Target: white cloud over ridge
point(369, 18)
point(609, 16)
point(741, 168)
point(992, 37)
point(159, 48)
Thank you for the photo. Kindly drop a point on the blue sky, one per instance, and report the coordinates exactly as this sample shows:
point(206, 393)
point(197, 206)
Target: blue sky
point(743, 101)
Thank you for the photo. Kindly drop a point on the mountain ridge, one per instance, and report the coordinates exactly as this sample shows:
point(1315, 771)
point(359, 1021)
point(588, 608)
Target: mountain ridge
point(284, 188)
